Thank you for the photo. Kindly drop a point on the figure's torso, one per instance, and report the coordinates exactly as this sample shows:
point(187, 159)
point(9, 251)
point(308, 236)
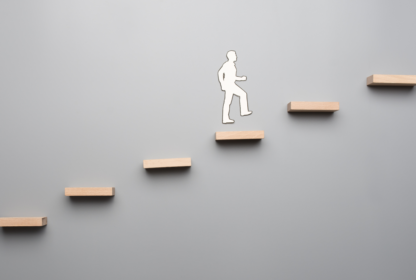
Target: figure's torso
point(230, 72)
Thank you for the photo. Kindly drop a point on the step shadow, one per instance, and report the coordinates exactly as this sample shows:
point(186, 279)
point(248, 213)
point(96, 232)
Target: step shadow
point(175, 171)
point(312, 115)
point(238, 143)
point(91, 199)
point(394, 90)
point(21, 231)
point(231, 146)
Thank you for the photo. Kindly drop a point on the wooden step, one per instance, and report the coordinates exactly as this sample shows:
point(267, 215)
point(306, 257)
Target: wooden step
point(328, 107)
point(166, 163)
point(239, 135)
point(392, 80)
point(89, 191)
point(23, 222)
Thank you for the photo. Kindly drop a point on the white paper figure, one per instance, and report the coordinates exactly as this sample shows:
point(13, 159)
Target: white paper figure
point(227, 76)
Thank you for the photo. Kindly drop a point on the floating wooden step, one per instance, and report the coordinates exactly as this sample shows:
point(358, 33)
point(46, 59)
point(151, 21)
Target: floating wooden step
point(89, 191)
point(23, 222)
point(239, 135)
point(167, 163)
point(392, 80)
point(328, 107)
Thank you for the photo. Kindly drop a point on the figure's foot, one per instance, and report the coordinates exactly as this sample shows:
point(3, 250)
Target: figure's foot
point(228, 121)
point(247, 114)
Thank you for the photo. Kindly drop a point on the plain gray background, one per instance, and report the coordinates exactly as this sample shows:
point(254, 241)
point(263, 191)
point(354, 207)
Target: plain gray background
point(89, 89)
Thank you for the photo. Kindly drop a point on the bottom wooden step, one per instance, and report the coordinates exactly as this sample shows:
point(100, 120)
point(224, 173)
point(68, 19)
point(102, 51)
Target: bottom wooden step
point(23, 222)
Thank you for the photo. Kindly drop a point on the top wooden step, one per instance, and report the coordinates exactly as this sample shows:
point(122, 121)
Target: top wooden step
point(392, 80)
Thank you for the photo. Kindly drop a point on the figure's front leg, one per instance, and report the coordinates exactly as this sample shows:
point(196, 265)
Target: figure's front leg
point(244, 103)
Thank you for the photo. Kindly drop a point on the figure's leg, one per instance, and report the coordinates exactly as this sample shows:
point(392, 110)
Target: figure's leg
point(243, 101)
point(226, 109)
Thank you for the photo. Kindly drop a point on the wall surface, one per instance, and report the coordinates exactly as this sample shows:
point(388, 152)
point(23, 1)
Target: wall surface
point(88, 89)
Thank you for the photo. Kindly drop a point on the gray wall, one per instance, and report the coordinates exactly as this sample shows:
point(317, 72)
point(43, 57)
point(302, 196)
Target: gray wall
point(91, 88)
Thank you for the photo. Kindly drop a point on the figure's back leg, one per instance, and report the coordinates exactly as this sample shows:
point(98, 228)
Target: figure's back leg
point(226, 109)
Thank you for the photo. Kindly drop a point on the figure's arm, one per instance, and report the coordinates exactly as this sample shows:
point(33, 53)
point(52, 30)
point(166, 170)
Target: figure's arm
point(221, 77)
point(243, 78)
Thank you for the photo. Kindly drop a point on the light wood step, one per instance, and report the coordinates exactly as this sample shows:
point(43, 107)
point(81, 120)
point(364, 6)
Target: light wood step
point(392, 80)
point(89, 191)
point(297, 106)
point(166, 163)
point(239, 135)
point(23, 222)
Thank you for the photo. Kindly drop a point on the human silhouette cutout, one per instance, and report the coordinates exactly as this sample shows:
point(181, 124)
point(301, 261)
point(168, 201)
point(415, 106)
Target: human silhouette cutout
point(227, 76)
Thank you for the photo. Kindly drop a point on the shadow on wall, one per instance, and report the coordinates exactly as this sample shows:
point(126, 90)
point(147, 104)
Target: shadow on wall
point(239, 144)
point(23, 231)
point(87, 205)
point(238, 148)
point(174, 171)
point(91, 199)
point(312, 116)
point(395, 91)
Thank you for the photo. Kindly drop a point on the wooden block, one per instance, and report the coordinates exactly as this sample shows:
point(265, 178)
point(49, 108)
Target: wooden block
point(392, 80)
point(89, 191)
point(239, 135)
point(23, 222)
point(329, 107)
point(166, 163)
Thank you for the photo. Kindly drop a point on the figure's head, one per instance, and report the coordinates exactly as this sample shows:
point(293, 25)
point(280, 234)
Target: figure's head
point(232, 56)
